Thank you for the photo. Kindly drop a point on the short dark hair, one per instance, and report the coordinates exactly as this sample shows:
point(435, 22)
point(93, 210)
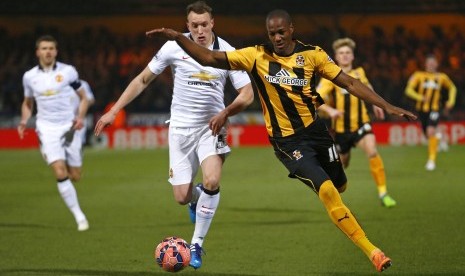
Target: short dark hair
point(280, 14)
point(431, 55)
point(199, 7)
point(47, 38)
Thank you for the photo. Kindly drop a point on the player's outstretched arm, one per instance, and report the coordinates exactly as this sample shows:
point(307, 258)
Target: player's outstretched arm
point(358, 89)
point(201, 54)
point(135, 87)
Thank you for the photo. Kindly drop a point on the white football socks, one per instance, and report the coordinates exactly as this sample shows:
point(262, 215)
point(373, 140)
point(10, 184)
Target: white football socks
point(69, 195)
point(206, 208)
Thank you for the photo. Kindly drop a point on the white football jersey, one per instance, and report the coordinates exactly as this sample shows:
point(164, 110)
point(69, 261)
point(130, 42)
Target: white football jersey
point(198, 91)
point(53, 92)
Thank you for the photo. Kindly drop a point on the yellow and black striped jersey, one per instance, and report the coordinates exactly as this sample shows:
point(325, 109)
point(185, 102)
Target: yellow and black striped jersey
point(355, 111)
point(428, 86)
point(285, 84)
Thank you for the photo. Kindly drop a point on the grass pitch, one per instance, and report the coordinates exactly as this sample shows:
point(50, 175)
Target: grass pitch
point(266, 224)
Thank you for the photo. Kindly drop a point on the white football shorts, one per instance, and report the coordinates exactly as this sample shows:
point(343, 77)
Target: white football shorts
point(188, 147)
point(53, 144)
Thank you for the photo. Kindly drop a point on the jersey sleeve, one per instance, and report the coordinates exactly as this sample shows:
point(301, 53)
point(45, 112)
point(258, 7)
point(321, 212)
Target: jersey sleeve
point(28, 93)
point(363, 76)
point(238, 79)
point(324, 88)
point(412, 81)
point(324, 65)
point(88, 90)
point(447, 81)
point(162, 58)
point(74, 80)
point(242, 59)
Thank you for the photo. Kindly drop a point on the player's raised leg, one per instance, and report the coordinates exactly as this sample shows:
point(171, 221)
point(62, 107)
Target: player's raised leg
point(69, 195)
point(346, 222)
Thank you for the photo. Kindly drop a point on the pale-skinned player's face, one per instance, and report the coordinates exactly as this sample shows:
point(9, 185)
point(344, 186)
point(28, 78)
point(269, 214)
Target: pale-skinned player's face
point(344, 56)
point(280, 34)
point(200, 26)
point(431, 64)
point(46, 52)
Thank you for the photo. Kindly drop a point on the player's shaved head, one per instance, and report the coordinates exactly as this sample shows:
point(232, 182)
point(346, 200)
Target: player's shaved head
point(279, 14)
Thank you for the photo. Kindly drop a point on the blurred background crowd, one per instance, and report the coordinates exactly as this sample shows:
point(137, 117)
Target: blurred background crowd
point(109, 59)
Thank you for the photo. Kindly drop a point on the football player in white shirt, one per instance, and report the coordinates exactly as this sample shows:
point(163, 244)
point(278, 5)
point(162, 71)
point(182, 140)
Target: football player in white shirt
point(51, 84)
point(197, 134)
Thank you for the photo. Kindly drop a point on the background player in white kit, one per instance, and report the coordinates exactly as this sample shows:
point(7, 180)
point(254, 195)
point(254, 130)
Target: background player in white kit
point(52, 85)
point(196, 134)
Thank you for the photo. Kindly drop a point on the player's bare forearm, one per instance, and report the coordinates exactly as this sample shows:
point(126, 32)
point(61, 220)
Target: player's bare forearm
point(82, 110)
point(26, 113)
point(244, 99)
point(26, 110)
point(201, 54)
point(358, 89)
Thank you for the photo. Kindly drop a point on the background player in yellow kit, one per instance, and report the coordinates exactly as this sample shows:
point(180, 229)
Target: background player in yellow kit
point(350, 119)
point(425, 88)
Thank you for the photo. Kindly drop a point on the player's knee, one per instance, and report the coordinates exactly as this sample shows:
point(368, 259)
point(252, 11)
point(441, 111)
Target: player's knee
point(327, 191)
point(211, 183)
point(182, 199)
point(342, 188)
point(75, 176)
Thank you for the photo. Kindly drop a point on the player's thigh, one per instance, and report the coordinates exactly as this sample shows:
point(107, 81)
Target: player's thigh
point(211, 171)
point(183, 158)
point(212, 152)
point(59, 169)
point(74, 151)
point(368, 144)
point(51, 142)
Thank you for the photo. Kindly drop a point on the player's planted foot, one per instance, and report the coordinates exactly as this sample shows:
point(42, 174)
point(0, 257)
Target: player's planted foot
point(83, 225)
point(430, 165)
point(380, 261)
point(196, 256)
point(388, 201)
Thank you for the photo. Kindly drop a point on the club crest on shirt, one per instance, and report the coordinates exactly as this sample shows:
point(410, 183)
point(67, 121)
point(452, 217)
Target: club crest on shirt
point(300, 61)
point(297, 154)
point(59, 78)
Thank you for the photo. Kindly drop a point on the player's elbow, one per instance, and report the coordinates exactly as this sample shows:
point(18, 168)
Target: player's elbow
point(249, 96)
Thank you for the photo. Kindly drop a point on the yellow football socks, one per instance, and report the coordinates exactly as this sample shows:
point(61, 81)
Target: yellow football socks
point(377, 170)
point(432, 147)
point(343, 218)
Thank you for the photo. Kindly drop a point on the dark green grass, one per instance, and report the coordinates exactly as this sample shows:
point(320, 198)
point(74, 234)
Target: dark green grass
point(266, 224)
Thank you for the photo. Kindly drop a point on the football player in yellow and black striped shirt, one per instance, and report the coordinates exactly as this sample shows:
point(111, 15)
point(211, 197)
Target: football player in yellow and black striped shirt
point(425, 87)
point(285, 71)
point(350, 119)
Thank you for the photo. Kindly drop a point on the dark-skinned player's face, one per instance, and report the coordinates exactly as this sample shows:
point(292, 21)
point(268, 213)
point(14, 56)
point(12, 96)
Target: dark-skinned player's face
point(280, 34)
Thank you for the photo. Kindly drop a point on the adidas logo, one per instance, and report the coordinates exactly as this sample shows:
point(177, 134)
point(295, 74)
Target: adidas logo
point(283, 73)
